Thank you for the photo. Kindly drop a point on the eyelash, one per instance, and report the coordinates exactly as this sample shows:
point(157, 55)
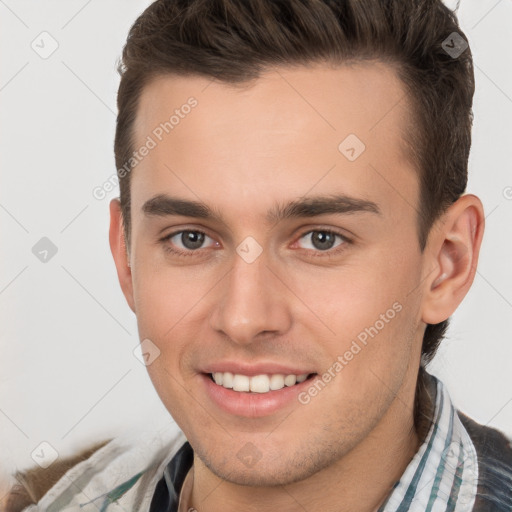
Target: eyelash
point(312, 253)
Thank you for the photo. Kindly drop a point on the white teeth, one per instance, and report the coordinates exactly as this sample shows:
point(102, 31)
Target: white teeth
point(241, 382)
point(277, 381)
point(290, 380)
point(258, 383)
point(227, 380)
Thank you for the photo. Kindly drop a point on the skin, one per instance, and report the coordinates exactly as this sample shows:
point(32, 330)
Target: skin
point(241, 151)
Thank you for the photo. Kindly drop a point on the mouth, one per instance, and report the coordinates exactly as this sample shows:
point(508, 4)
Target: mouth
point(258, 384)
point(254, 390)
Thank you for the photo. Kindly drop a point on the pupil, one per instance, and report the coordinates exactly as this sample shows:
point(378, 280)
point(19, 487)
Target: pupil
point(192, 239)
point(323, 240)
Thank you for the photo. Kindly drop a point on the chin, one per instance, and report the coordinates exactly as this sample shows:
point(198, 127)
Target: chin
point(270, 471)
point(262, 477)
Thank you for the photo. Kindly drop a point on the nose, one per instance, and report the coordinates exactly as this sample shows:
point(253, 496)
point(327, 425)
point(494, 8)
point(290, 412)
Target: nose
point(252, 303)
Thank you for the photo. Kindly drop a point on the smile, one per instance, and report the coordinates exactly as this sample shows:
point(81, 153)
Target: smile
point(255, 395)
point(257, 383)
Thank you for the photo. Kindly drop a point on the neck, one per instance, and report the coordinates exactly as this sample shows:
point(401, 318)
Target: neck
point(361, 480)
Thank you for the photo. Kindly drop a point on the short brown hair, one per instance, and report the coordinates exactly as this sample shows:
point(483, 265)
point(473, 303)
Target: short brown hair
point(235, 40)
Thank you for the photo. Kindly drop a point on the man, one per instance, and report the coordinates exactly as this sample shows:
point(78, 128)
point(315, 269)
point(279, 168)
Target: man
point(293, 237)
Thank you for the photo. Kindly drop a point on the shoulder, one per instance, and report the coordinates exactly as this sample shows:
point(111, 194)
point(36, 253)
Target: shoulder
point(33, 483)
point(125, 468)
point(494, 451)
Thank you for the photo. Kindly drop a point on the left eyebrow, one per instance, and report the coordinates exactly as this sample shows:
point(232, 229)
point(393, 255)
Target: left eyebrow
point(322, 205)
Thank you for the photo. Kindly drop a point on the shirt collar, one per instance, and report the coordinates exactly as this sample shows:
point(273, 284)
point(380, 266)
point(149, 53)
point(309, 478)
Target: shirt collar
point(443, 474)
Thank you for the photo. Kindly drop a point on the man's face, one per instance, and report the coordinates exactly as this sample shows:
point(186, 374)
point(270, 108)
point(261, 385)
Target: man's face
point(270, 277)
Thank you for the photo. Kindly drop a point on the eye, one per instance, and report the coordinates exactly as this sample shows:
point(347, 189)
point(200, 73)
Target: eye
point(321, 240)
point(189, 240)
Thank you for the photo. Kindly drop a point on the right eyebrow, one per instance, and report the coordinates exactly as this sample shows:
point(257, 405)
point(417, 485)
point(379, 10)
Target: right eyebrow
point(163, 205)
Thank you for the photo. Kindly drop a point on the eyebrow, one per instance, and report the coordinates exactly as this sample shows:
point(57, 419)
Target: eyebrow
point(163, 205)
point(322, 205)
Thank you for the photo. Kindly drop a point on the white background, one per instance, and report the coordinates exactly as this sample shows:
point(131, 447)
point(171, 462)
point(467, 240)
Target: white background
point(68, 374)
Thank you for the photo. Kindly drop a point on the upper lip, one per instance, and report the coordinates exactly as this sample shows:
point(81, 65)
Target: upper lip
point(251, 369)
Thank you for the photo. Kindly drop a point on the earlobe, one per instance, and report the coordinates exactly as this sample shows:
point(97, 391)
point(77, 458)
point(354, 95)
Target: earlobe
point(454, 251)
point(120, 252)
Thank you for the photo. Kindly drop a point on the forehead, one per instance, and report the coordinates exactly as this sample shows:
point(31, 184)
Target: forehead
point(292, 131)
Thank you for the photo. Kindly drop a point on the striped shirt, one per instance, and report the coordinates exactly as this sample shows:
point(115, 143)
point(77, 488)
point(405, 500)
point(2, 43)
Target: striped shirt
point(443, 474)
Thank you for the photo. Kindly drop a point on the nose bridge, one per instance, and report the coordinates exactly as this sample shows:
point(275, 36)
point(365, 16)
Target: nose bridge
point(250, 302)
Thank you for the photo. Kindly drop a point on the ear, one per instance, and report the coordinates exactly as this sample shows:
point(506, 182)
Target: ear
point(452, 251)
point(120, 252)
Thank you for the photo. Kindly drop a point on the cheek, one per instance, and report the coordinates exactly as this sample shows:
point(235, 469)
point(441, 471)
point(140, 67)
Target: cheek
point(365, 316)
point(162, 305)
point(164, 295)
point(173, 307)
point(168, 308)
point(367, 289)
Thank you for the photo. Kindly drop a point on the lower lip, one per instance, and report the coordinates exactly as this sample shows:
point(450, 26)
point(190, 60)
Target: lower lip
point(253, 405)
